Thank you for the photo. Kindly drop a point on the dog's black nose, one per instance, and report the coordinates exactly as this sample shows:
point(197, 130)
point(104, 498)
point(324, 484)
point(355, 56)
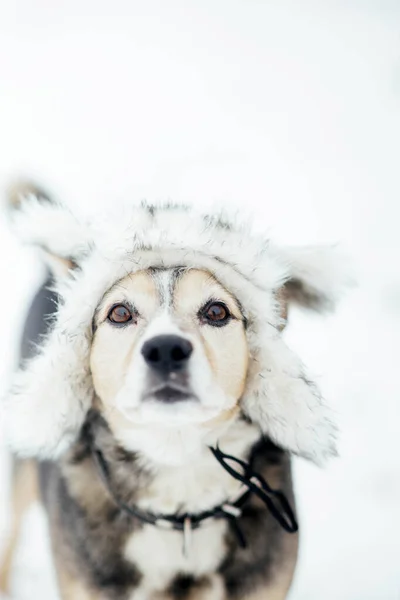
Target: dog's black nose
point(167, 353)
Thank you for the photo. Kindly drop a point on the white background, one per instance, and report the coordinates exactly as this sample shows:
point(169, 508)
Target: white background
point(289, 110)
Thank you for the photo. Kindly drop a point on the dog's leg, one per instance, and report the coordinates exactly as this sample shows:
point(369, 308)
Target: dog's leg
point(71, 588)
point(269, 593)
point(24, 493)
point(70, 585)
point(281, 579)
point(212, 588)
point(276, 590)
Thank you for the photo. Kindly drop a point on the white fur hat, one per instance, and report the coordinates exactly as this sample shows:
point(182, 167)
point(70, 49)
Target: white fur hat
point(47, 404)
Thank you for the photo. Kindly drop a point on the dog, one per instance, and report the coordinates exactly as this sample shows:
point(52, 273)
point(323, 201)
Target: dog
point(160, 403)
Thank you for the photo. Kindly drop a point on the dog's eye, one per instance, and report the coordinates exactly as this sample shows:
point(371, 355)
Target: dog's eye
point(119, 314)
point(216, 313)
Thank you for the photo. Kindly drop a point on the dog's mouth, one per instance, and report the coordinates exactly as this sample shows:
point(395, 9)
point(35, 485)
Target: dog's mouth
point(169, 393)
point(168, 404)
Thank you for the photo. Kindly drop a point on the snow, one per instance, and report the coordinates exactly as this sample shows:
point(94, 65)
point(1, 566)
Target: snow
point(287, 110)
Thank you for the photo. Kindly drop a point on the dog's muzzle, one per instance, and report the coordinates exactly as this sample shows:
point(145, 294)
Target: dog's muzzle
point(167, 357)
point(167, 353)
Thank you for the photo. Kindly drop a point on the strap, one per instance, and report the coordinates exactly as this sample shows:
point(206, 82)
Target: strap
point(164, 521)
point(275, 500)
point(103, 471)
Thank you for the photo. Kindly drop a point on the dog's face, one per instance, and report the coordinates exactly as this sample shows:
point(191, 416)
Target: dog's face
point(162, 348)
point(169, 349)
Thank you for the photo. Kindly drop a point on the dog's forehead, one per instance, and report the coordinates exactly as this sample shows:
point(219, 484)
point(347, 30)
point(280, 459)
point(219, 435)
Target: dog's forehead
point(172, 288)
point(165, 281)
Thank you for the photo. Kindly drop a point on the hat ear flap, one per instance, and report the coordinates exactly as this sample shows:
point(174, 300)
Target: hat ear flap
point(47, 403)
point(287, 406)
point(280, 398)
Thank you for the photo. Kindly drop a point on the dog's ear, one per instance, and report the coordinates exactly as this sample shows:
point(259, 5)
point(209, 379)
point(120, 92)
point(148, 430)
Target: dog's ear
point(318, 276)
point(49, 226)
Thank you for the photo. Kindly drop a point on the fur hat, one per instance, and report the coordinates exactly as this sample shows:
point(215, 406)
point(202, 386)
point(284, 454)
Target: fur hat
point(51, 395)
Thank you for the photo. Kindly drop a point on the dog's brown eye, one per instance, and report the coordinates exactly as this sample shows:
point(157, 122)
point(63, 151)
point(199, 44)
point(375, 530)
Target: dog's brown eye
point(119, 314)
point(216, 313)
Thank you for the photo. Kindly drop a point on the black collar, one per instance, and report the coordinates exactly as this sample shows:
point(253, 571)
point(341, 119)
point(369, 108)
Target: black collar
point(253, 483)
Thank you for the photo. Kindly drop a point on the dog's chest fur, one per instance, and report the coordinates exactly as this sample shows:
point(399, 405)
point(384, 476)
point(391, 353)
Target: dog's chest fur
point(196, 486)
point(128, 560)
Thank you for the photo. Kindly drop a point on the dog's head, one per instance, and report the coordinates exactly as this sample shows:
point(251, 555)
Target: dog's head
point(170, 322)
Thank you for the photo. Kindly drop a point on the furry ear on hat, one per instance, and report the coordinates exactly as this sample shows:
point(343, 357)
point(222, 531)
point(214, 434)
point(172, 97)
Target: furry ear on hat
point(49, 226)
point(318, 276)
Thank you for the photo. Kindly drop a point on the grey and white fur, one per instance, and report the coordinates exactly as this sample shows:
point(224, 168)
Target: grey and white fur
point(53, 409)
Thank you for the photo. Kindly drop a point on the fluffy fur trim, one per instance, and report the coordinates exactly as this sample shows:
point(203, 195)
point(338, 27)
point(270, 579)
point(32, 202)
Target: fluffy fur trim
point(48, 402)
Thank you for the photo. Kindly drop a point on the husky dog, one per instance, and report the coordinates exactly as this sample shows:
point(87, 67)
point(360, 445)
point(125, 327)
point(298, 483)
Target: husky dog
point(162, 405)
